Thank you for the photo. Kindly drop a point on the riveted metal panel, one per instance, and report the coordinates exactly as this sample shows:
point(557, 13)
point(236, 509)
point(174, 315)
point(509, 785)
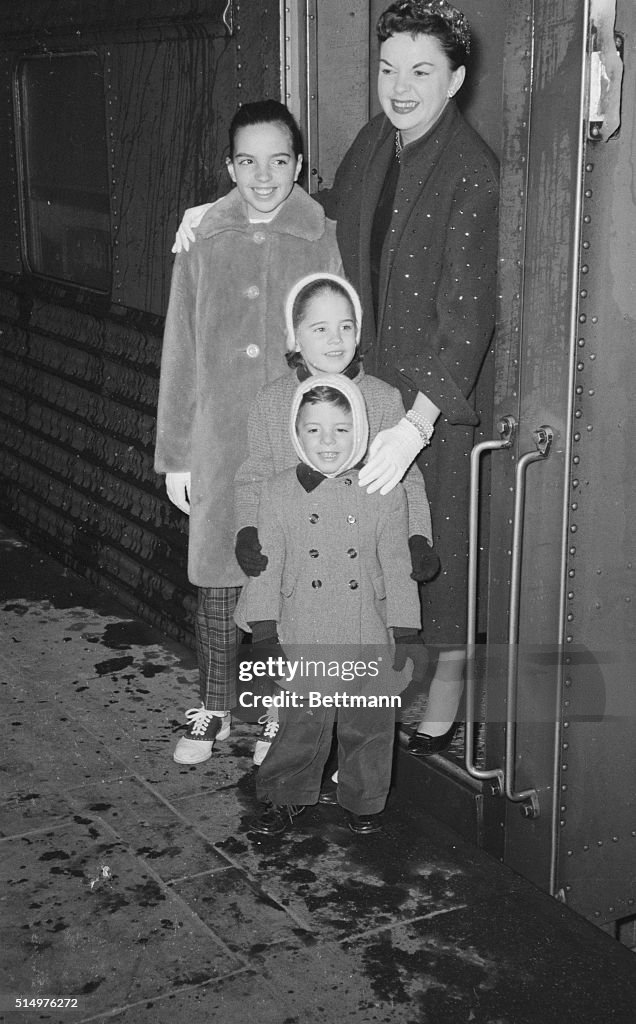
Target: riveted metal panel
point(597, 820)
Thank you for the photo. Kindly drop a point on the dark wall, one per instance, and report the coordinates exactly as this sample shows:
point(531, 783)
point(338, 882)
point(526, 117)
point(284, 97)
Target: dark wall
point(79, 371)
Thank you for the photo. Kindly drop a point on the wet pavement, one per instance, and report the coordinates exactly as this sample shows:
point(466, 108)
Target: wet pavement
point(132, 886)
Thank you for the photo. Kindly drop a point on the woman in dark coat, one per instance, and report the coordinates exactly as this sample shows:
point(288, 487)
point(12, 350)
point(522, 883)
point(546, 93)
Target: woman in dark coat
point(415, 200)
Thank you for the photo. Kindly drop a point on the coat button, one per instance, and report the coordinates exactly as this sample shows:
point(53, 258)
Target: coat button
point(314, 517)
point(347, 482)
point(316, 584)
point(353, 584)
point(352, 553)
point(253, 351)
point(259, 237)
point(313, 553)
point(351, 519)
point(253, 291)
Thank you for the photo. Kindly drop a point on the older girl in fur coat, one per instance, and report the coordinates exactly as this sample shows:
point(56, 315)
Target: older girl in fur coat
point(224, 339)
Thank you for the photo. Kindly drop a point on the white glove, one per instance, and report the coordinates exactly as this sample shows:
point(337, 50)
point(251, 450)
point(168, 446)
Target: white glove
point(190, 220)
point(390, 455)
point(178, 488)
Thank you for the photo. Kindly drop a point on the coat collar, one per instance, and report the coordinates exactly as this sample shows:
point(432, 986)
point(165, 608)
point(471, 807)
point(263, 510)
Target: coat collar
point(309, 478)
point(299, 215)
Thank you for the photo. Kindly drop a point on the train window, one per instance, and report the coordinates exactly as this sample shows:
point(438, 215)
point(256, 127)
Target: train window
point(64, 157)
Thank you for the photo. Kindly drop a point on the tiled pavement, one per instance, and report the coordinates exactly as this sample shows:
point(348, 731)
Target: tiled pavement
point(133, 885)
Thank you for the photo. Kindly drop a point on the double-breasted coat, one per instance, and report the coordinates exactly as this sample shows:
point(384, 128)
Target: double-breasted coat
point(338, 572)
point(270, 448)
point(224, 339)
point(436, 308)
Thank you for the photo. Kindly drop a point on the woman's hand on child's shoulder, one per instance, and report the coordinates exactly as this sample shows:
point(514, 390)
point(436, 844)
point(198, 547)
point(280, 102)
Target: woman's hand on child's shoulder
point(190, 220)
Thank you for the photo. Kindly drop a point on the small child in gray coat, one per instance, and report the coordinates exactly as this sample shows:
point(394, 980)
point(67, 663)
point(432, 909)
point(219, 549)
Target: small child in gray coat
point(337, 587)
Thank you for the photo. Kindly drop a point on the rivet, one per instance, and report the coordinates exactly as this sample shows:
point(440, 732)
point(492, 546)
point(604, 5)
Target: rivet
point(584, 268)
point(588, 193)
point(581, 342)
point(586, 245)
point(589, 167)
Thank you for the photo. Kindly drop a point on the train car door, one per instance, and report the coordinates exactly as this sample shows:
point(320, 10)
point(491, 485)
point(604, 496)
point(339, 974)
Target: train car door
point(561, 585)
point(549, 787)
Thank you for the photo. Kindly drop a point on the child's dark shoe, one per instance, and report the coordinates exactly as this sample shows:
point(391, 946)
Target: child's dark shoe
point(364, 824)
point(328, 794)
point(276, 819)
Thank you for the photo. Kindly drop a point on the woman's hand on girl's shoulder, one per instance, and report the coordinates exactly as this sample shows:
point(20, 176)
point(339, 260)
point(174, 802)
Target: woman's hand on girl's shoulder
point(190, 220)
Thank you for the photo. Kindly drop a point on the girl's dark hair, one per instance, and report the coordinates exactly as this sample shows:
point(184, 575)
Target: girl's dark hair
point(306, 294)
point(417, 19)
point(266, 112)
point(324, 395)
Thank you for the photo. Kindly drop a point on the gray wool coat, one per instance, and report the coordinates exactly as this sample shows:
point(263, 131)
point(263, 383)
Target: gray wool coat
point(224, 339)
point(271, 450)
point(339, 563)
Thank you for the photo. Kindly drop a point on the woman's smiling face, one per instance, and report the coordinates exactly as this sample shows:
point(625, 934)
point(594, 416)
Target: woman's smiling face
point(415, 82)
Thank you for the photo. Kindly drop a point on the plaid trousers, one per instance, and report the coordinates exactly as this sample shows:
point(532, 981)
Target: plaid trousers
point(217, 641)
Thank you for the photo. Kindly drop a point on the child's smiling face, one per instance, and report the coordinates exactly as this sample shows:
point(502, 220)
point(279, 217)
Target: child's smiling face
point(326, 336)
point(325, 432)
point(264, 166)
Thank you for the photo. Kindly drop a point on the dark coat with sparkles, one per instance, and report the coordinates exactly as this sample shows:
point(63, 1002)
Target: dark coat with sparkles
point(436, 309)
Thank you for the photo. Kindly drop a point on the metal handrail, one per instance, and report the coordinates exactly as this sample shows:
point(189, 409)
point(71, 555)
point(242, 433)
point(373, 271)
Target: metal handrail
point(506, 428)
point(543, 437)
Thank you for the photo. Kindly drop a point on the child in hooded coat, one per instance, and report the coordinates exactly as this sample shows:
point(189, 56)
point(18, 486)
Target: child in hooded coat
point(337, 582)
point(323, 317)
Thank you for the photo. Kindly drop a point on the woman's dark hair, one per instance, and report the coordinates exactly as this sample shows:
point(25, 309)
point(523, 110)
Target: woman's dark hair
point(438, 19)
point(266, 112)
point(324, 395)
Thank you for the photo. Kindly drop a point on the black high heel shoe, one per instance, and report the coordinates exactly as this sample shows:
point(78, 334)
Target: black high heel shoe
point(423, 745)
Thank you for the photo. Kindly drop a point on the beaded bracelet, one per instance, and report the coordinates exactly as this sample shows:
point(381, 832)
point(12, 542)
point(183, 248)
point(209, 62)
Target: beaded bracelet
point(423, 426)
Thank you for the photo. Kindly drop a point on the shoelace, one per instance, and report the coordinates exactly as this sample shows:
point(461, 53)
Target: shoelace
point(198, 719)
point(270, 726)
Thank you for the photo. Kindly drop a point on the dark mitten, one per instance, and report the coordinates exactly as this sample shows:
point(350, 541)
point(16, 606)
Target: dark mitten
point(265, 642)
point(248, 551)
point(425, 562)
point(409, 645)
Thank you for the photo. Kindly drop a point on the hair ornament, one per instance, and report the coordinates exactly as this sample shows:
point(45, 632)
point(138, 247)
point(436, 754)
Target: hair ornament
point(454, 18)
